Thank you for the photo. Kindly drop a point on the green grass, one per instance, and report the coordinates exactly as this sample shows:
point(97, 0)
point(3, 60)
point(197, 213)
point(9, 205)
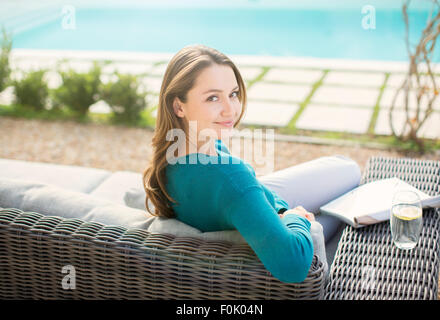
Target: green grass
point(291, 126)
point(146, 119)
point(16, 110)
point(258, 78)
point(373, 120)
point(387, 142)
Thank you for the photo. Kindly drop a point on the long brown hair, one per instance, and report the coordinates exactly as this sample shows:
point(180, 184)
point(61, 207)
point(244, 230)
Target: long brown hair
point(180, 76)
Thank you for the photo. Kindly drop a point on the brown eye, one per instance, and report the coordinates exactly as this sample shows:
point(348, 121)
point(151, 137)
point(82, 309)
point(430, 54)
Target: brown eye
point(211, 98)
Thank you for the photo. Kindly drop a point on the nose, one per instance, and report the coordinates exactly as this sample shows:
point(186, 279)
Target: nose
point(228, 107)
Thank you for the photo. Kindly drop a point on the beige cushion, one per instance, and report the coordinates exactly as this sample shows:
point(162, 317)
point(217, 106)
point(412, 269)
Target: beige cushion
point(50, 200)
point(180, 229)
point(72, 178)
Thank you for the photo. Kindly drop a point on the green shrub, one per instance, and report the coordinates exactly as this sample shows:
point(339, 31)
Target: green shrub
point(32, 91)
point(124, 98)
point(5, 69)
point(78, 90)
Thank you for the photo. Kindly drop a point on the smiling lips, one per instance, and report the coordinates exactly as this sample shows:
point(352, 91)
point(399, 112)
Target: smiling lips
point(226, 123)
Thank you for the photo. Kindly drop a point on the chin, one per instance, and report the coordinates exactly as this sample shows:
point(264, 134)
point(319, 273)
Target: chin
point(225, 133)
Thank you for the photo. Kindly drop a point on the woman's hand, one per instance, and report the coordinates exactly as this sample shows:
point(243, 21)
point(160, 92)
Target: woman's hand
point(299, 211)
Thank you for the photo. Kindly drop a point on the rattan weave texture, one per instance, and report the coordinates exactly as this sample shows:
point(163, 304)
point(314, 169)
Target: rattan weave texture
point(113, 262)
point(368, 266)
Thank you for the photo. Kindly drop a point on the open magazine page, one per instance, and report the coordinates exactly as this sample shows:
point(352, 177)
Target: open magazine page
point(371, 203)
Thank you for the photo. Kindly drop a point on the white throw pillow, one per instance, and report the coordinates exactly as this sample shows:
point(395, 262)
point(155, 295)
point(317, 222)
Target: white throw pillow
point(135, 198)
point(115, 186)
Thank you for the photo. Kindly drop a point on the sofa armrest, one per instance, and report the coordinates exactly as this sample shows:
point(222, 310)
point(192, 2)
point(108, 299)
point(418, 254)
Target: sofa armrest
point(113, 262)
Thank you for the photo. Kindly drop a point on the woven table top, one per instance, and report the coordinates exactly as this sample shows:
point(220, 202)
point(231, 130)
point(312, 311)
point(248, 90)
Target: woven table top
point(368, 266)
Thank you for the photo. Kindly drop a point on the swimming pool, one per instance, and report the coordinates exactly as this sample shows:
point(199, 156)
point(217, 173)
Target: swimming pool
point(252, 29)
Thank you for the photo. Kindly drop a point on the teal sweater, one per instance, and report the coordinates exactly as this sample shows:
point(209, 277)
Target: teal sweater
point(222, 193)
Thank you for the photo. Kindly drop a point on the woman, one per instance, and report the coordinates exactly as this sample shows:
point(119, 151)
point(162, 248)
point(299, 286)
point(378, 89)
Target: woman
point(199, 182)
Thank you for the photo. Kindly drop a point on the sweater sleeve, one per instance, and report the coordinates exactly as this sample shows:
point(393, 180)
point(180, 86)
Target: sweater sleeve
point(284, 246)
point(279, 202)
point(281, 205)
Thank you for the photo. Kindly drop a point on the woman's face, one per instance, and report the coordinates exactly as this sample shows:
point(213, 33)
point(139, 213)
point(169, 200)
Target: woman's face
point(212, 102)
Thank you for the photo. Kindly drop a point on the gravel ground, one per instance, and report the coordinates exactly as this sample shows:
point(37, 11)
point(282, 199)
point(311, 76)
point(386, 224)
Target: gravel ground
point(118, 148)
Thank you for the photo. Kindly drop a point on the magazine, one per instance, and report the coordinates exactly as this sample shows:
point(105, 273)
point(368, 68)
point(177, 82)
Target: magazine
point(371, 203)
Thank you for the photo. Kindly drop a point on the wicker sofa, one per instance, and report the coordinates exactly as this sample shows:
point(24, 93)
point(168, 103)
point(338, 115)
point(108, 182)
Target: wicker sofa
point(54, 217)
point(113, 261)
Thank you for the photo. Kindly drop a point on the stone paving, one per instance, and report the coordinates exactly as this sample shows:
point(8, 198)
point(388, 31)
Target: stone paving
point(330, 96)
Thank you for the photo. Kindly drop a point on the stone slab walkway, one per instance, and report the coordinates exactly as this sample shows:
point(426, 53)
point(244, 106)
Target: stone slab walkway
point(299, 93)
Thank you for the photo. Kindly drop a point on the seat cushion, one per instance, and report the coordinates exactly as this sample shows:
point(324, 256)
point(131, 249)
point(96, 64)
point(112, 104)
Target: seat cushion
point(72, 178)
point(50, 200)
point(179, 229)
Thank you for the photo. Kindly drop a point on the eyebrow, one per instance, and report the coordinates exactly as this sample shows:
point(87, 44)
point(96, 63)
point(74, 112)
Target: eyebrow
point(217, 90)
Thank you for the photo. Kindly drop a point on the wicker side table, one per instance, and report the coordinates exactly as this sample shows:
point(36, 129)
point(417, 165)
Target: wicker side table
point(368, 266)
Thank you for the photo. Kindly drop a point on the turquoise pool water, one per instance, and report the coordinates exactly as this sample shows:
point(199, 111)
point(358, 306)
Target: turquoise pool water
point(304, 32)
